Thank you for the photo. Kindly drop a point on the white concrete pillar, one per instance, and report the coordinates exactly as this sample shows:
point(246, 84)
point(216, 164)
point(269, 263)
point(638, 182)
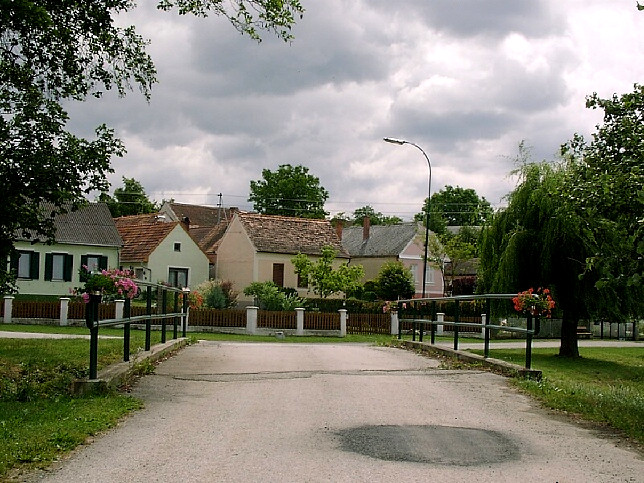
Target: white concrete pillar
point(64, 310)
point(440, 318)
point(299, 312)
point(8, 307)
point(118, 308)
point(394, 322)
point(343, 322)
point(251, 320)
point(483, 321)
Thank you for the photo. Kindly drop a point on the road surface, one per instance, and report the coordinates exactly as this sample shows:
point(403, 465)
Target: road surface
point(223, 411)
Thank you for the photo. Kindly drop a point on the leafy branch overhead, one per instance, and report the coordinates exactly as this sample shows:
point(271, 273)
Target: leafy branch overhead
point(55, 52)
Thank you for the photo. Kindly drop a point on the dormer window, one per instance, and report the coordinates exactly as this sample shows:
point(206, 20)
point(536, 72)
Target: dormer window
point(177, 246)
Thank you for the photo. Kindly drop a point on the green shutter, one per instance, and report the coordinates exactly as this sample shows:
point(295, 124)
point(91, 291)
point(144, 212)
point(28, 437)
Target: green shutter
point(49, 266)
point(102, 262)
point(34, 266)
point(13, 261)
point(68, 267)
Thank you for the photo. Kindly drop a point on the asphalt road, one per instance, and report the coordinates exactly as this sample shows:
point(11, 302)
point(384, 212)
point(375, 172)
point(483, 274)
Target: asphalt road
point(339, 412)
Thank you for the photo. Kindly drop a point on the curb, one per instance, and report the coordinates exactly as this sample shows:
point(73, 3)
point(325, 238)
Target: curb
point(503, 367)
point(117, 374)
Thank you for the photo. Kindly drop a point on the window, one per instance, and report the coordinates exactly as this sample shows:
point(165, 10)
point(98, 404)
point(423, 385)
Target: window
point(413, 268)
point(278, 274)
point(94, 263)
point(58, 267)
point(26, 264)
point(177, 246)
point(178, 277)
point(429, 275)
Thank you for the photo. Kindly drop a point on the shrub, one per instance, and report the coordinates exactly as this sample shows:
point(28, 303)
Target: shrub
point(217, 294)
point(269, 296)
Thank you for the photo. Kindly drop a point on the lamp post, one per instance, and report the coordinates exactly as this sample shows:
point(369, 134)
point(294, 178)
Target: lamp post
point(429, 193)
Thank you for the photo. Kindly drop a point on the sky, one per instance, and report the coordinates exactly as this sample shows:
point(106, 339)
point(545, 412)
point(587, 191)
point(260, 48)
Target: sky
point(466, 81)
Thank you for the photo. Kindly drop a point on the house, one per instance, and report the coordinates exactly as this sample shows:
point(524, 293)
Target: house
point(85, 237)
point(206, 224)
point(161, 251)
point(373, 246)
point(259, 248)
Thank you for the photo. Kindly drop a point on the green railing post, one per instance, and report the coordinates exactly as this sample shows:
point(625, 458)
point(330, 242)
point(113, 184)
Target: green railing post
point(184, 321)
point(148, 321)
point(456, 320)
point(164, 301)
point(175, 318)
point(486, 346)
point(528, 343)
point(91, 320)
point(400, 319)
point(432, 327)
point(127, 312)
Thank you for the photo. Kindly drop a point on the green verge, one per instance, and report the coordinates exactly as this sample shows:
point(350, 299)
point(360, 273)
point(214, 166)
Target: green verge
point(39, 420)
point(605, 385)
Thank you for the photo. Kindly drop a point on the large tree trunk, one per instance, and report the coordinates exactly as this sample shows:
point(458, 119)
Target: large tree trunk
point(569, 346)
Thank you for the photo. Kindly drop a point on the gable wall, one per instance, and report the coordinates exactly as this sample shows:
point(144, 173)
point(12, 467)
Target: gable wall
point(236, 257)
point(191, 257)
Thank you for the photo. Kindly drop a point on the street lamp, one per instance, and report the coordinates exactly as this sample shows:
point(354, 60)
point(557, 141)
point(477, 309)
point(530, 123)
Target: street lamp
point(429, 193)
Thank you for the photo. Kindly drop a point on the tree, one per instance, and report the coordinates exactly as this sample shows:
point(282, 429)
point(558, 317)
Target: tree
point(129, 200)
point(394, 281)
point(456, 206)
point(539, 241)
point(606, 187)
point(55, 52)
point(321, 275)
point(289, 191)
point(375, 218)
point(460, 248)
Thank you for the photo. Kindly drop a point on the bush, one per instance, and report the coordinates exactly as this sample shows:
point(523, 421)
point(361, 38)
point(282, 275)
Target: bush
point(269, 296)
point(394, 282)
point(217, 294)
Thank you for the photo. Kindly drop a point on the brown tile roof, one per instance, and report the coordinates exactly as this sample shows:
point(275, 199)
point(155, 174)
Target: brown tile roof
point(141, 235)
point(209, 238)
point(282, 234)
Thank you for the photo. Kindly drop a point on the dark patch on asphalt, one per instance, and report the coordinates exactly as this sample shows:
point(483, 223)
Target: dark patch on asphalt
point(440, 445)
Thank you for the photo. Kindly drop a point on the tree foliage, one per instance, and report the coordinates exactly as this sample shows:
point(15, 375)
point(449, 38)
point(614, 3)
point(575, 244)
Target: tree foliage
point(394, 281)
point(289, 191)
point(456, 206)
point(129, 200)
point(539, 242)
point(375, 218)
point(53, 52)
point(323, 278)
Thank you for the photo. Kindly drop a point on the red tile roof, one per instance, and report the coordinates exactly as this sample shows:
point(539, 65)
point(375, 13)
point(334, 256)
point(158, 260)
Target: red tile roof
point(141, 235)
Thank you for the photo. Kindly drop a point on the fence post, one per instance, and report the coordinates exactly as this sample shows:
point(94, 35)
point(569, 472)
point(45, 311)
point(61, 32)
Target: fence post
point(251, 320)
point(8, 307)
point(440, 318)
point(394, 322)
point(118, 308)
point(64, 310)
point(299, 313)
point(343, 322)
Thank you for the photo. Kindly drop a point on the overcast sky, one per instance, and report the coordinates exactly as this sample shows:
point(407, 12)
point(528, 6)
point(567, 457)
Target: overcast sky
point(465, 80)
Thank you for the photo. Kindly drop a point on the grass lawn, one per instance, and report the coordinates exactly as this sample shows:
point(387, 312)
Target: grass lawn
point(605, 385)
point(39, 421)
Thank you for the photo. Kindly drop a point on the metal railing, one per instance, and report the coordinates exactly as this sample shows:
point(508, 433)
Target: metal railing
point(93, 323)
point(532, 323)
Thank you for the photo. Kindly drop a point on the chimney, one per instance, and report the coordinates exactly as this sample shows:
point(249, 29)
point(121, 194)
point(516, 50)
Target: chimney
point(366, 225)
point(185, 221)
point(339, 226)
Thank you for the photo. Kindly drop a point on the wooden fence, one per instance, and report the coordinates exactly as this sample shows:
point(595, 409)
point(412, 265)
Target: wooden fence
point(217, 318)
point(369, 324)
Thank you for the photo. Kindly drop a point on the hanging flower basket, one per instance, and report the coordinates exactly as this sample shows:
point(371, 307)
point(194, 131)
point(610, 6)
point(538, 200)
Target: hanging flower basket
point(537, 303)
